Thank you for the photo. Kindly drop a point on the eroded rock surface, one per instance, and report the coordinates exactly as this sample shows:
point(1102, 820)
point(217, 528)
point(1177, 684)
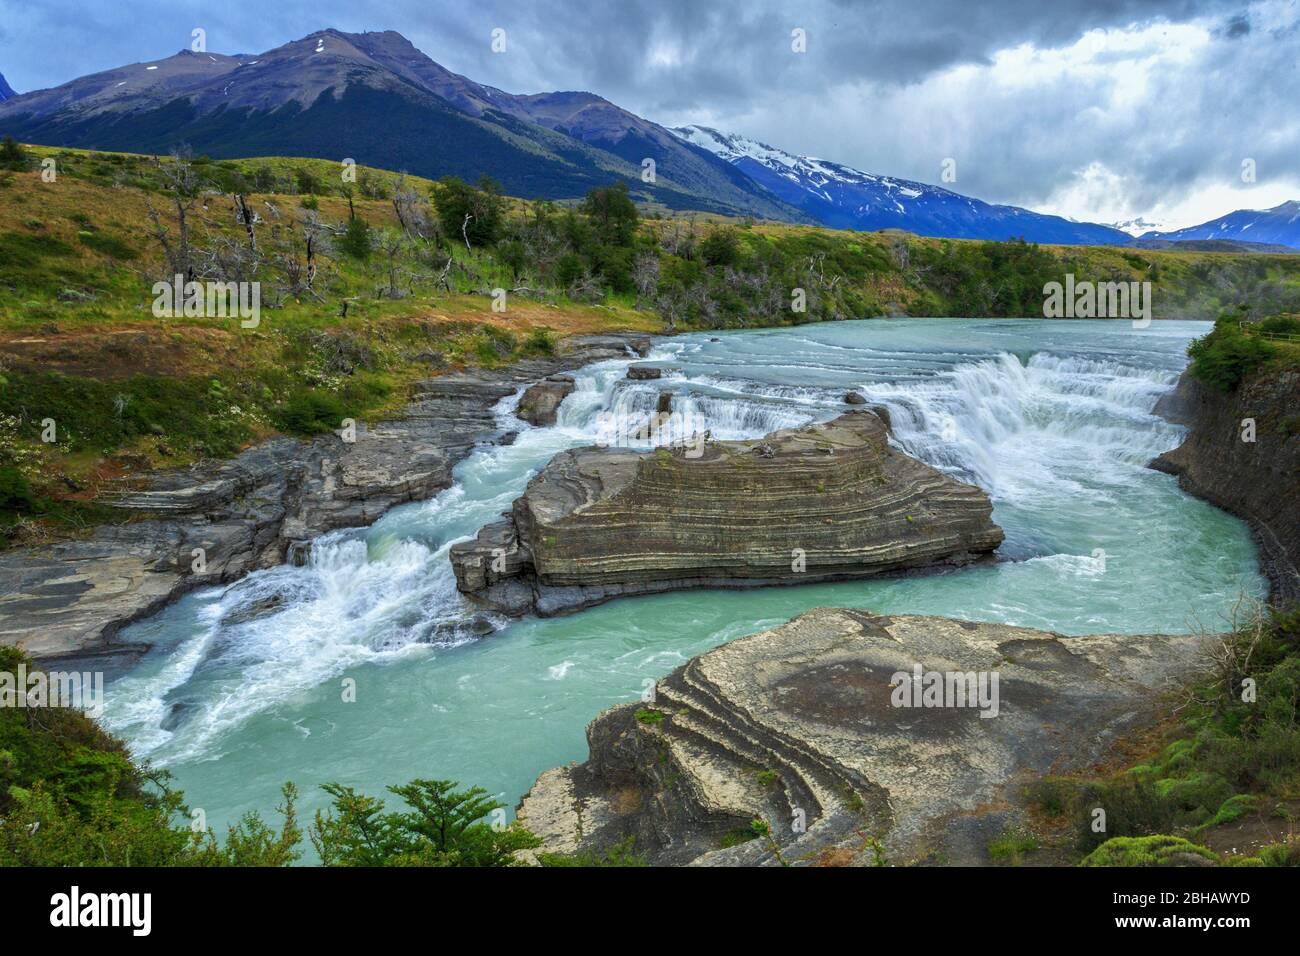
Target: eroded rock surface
point(1259, 480)
point(253, 511)
point(829, 502)
point(799, 724)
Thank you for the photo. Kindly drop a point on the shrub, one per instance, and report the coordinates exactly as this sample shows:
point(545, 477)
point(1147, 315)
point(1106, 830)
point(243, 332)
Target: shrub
point(309, 413)
point(444, 827)
point(12, 155)
point(1132, 805)
point(720, 248)
point(622, 853)
point(356, 240)
point(540, 341)
point(468, 211)
point(1053, 795)
point(1282, 324)
point(1158, 850)
point(1011, 844)
point(1227, 355)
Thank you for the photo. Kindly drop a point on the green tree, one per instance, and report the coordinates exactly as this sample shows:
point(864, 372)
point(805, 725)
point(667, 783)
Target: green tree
point(471, 214)
point(307, 183)
point(613, 213)
point(444, 827)
point(514, 256)
point(357, 240)
point(721, 247)
point(1227, 355)
point(12, 155)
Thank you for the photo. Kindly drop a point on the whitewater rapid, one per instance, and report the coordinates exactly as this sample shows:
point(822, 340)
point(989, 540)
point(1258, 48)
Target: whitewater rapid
point(1053, 420)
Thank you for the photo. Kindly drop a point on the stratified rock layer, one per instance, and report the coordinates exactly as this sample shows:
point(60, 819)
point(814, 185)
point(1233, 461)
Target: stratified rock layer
point(798, 727)
point(828, 502)
point(1257, 480)
point(217, 521)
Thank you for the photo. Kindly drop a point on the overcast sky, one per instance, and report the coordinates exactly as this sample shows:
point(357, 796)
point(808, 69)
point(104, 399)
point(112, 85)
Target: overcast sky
point(1103, 110)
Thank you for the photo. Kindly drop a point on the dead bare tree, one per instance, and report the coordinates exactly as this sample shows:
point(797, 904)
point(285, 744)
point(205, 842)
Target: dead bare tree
point(248, 219)
point(645, 276)
point(183, 188)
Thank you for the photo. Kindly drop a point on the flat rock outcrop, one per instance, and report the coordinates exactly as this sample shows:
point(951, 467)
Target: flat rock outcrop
point(258, 509)
point(1259, 480)
point(801, 727)
point(828, 502)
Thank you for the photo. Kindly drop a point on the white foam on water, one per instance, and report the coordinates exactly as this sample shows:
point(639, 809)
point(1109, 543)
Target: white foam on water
point(1048, 431)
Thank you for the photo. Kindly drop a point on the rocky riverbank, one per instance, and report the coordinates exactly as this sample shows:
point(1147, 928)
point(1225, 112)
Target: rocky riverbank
point(220, 520)
point(1258, 480)
point(828, 502)
point(799, 728)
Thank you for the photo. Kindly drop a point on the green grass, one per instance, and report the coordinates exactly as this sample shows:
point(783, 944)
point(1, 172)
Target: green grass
point(78, 257)
point(1011, 845)
point(1229, 756)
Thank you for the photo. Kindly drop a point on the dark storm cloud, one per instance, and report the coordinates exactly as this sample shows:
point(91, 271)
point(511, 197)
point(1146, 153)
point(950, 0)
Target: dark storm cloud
point(889, 86)
point(733, 48)
point(1238, 26)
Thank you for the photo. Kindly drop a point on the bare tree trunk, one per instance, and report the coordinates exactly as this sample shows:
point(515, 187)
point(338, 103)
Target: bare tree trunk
point(246, 216)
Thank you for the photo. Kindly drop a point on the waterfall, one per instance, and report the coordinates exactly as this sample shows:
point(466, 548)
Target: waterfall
point(1040, 432)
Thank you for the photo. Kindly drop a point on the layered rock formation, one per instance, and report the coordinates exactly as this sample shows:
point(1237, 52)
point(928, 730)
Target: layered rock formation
point(1258, 480)
point(800, 727)
point(255, 510)
point(828, 502)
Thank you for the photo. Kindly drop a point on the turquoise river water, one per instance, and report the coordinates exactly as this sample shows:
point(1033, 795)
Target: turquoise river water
point(1051, 418)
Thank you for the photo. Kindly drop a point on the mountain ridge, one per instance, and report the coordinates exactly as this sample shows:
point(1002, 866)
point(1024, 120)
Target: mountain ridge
point(846, 197)
point(392, 100)
point(1279, 225)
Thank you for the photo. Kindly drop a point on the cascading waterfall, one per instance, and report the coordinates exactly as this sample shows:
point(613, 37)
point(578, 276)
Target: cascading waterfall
point(1052, 419)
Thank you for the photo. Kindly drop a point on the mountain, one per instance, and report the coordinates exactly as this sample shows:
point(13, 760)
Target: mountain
point(377, 99)
point(1135, 227)
point(1278, 226)
point(1214, 245)
point(847, 198)
point(6, 91)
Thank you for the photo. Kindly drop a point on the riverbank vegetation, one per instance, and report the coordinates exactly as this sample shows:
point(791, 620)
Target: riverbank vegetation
point(1237, 347)
point(70, 795)
point(1220, 784)
point(371, 280)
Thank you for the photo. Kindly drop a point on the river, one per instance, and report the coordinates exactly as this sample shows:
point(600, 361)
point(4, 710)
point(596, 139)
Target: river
point(365, 666)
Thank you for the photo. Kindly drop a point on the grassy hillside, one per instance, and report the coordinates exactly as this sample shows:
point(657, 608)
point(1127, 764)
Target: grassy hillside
point(1218, 782)
point(402, 289)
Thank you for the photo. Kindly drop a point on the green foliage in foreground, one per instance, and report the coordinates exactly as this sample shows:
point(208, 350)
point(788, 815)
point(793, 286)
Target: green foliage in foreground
point(70, 795)
point(444, 827)
point(1228, 354)
point(1147, 851)
point(1237, 753)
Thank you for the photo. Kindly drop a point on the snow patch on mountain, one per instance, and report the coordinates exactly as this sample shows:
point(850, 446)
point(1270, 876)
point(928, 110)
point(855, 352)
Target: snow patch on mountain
point(848, 198)
point(1279, 225)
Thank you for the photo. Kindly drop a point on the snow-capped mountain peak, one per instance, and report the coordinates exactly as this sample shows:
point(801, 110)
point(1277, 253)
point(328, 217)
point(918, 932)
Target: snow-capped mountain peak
point(849, 198)
point(1277, 226)
point(1138, 226)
